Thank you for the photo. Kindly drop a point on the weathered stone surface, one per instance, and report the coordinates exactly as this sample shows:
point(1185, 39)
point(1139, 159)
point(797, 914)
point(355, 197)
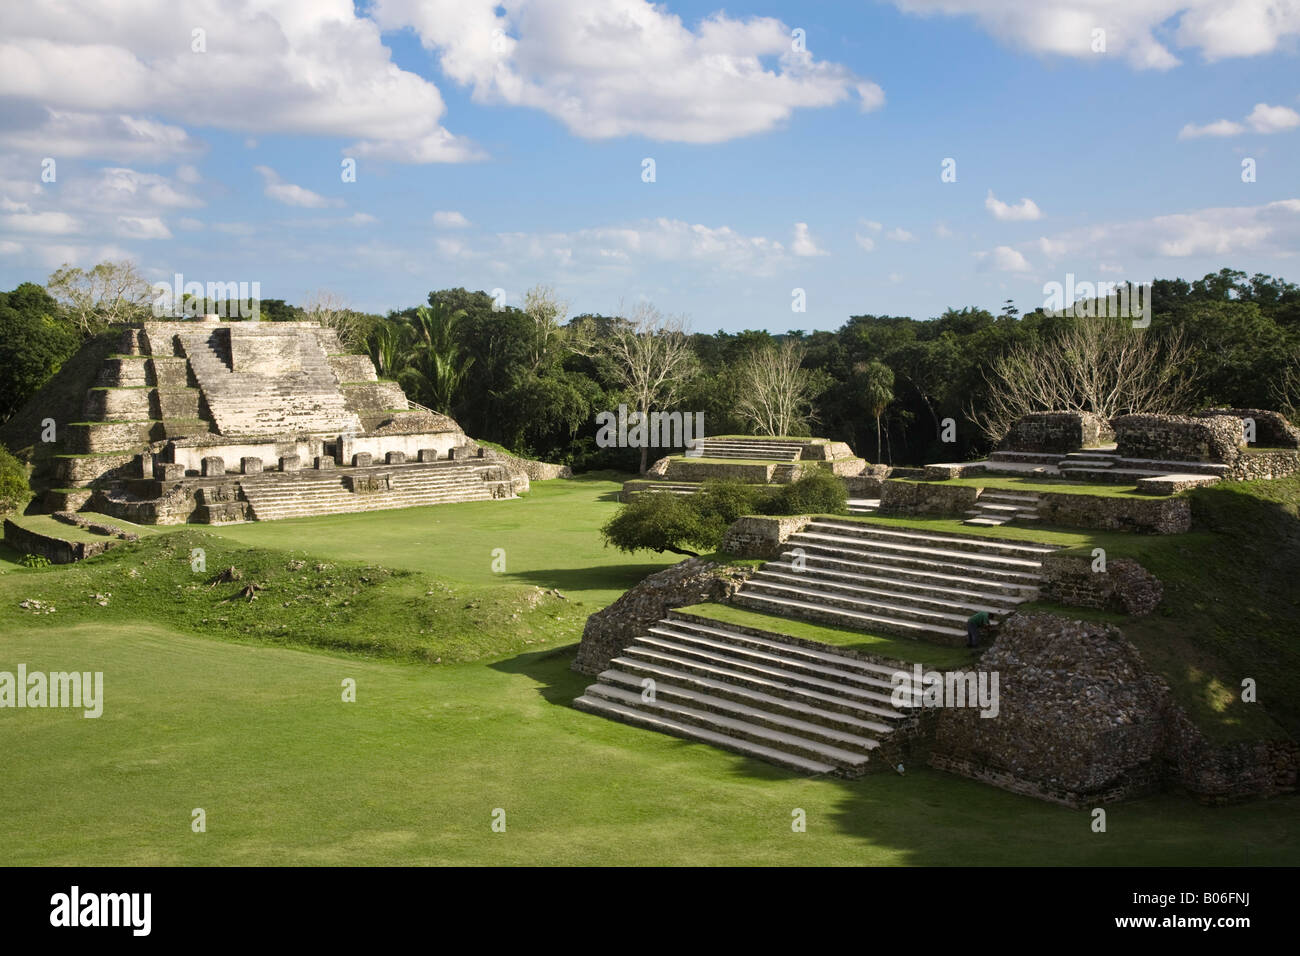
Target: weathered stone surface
point(1125, 586)
point(170, 471)
point(290, 463)
point(213, 466)
point(660, 467)
point(898, 497)
point(55, 549)
point(1253, 464)
point(250, 466)
point(1272, 430)
point(761, 536)
point(395, 458)
point(1080, 718)
point(1056, 432)
point(428, 454)
point(324, 463)
point(1213, 438)
point(361, 459)
point(693, 581)
point(1103, 513)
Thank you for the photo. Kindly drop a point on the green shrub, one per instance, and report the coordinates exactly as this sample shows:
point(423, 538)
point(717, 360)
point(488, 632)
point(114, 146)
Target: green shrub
point(720, 502)
point(35, 561)
point(14, 490)
point(818, 492)
point(659, 521)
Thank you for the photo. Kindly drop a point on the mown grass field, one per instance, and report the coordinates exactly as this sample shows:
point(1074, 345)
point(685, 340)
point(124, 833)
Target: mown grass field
point(244, 718)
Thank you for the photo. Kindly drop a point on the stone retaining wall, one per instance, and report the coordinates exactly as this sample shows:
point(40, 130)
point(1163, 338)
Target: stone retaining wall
point(1271, 428)
point(761, 536)
point(899, 497)
point(1057, 432)
point(55, 549)
point(1124, 587)
point(1212, 438)
point(693, 581)
point(1149, 515)
point(1265, 463)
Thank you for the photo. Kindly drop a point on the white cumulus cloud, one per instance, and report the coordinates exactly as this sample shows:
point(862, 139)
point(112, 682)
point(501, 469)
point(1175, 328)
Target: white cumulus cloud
point(1024, 211)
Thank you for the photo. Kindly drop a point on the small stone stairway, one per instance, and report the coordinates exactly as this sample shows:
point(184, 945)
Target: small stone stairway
point(895, 580)
point(863, 506)
point(996, 508)
point(1105, 464)
point(766, 449)
point(807, 709)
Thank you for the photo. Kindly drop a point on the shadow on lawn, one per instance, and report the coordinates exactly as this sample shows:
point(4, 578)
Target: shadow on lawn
point(605, 578)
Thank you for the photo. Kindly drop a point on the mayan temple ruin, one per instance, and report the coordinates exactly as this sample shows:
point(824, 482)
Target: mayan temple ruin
point(213, 422)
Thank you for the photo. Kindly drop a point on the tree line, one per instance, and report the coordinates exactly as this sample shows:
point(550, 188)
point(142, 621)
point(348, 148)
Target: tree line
point(532, 378)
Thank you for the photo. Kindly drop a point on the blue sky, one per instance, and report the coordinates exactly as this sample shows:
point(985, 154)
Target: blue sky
point(526, 124)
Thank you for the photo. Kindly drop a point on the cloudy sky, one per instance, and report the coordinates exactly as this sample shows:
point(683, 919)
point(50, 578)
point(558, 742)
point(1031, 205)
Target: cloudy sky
point(792, 145)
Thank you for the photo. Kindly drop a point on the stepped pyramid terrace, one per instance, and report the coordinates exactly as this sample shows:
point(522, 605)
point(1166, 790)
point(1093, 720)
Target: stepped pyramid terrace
point(211, 422)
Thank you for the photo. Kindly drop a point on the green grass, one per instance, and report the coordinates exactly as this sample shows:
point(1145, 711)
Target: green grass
point(411, 773)
point(1043, 485)
point(47, 525)
point(464, 706)
point(897, 648)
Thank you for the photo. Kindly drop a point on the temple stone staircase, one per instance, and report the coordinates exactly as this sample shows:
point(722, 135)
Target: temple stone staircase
point(288, 388)
point(809, 710)
point(1108, 465)
point(805, 706)
point(996, 508)
point(901, 581)
point(757, 448)
point(301, 494)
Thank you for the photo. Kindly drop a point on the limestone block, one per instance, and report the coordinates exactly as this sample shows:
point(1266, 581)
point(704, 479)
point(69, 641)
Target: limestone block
point(395, 458)
point(324, 463)
point(213, 465)
point(290, 463)
point(170, 471)
point(250, 466)
point(361, 459)
point(428, 454)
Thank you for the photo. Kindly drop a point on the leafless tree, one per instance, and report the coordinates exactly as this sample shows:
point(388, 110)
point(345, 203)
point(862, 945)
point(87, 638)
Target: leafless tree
point(109, 293)
point(653, 356)
point(1286, 390)
point(776, 391)
point(547, 312)
point(1096, 364)
point(331, 310)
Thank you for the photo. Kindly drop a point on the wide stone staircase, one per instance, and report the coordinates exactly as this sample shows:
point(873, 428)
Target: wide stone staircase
point(901, 581)
point(1106, 464)
point(299, 494)
point(294, 390)
point(996, 508)
point(807, 709)
point(756, 448)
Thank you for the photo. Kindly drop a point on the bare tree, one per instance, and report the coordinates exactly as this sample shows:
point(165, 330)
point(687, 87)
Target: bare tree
point(547, 312)
point(109, 293)
point(776, 391)
point(331, 310)
point(653, 355)
point(1286, 390)
point(1096, 364)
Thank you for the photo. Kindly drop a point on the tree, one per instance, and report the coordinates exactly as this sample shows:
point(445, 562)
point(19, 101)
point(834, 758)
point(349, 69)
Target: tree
point(652, 356)
point(1093, 364)
point(547, 314)
point(110, 293)
point(659, 522)
point(331, 310)
point(34, 344)
point(877, 380)
point(776, 392)
point(435, 367)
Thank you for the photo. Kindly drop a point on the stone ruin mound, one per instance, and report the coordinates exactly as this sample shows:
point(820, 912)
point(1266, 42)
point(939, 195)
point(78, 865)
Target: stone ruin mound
point(212, 421)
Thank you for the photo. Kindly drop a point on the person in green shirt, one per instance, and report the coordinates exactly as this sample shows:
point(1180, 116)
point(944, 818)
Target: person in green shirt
point(973, 625)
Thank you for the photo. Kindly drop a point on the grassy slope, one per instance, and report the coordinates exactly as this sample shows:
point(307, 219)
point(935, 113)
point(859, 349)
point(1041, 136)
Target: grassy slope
point(411, 773)
point(256, 734)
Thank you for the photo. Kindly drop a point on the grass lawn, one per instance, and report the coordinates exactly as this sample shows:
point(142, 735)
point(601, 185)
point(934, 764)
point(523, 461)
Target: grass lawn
point(464, 705)
point(1036, 484)
point(411, 773)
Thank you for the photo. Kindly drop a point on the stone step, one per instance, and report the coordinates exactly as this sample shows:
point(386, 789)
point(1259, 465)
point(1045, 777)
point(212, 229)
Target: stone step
point(909, 562)
point(693, 652)
point(633, 672)
point(631, 715)
point(898, 606)
point(1027, 549)
point(998, 597)
point(863, 506)
point(775, 715)
point(712, 646)
point(1022, 585)
point(988, 522)
point(1010, 497)
point(864, 705)
point(843, 617)
point(969, 557)
point(738, 728)
point(685, 621)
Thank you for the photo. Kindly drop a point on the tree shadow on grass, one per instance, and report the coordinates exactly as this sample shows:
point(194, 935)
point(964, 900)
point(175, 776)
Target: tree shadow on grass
point(603, 578)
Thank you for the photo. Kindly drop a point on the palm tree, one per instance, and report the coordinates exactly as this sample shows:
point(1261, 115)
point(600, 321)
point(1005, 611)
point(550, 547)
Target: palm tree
point(388, 348)
point(877, 391)
point(435, 368)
